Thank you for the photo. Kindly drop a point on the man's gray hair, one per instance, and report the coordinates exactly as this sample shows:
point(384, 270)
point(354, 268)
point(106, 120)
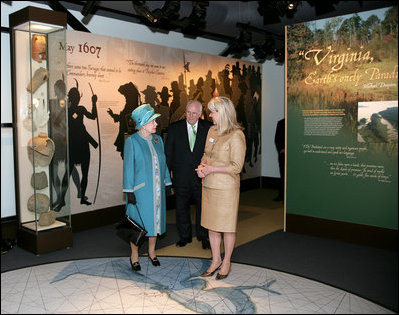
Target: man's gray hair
point(195, 102)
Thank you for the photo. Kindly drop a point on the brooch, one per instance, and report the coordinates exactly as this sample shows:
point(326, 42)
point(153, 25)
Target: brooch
point(156, 140)
point(211, 140)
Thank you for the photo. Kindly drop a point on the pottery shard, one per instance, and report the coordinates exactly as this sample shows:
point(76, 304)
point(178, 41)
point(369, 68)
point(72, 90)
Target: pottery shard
point(39, 77)
point(42, 203)
point(39, 46)
point(47, 218)
point(39, 180)
point(41, 150)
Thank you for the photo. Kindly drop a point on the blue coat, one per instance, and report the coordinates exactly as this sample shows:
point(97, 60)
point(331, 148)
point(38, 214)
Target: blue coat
point(145, 173)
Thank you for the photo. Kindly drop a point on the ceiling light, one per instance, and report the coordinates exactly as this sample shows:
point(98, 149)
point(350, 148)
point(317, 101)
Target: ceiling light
point(142, 10)
point(195, 22)
point(41, 27)
point(291, 5)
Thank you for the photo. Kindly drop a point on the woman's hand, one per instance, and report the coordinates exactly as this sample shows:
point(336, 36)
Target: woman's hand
point(203, 170)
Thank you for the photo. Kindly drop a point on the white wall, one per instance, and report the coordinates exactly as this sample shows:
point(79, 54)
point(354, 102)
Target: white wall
point(272, 85)
point(272, 112)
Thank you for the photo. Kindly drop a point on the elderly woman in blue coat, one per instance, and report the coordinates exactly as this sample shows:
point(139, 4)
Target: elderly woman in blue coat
point(145, 175)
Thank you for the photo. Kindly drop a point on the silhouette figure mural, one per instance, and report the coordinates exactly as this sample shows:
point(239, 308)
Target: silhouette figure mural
point(163, 109)
point(126, 124)
point(242, 83)
point(151, 97)
point(79, 141)
point(175, 104)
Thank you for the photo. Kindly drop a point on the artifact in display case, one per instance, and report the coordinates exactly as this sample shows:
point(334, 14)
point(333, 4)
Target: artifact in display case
point(38, 41)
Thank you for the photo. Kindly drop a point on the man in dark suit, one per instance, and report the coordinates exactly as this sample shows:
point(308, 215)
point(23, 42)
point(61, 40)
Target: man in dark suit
point(184, 148)
point(279, 141)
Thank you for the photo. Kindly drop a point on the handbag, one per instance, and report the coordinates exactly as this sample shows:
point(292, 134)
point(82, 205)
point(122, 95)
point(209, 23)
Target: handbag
point(130, 231)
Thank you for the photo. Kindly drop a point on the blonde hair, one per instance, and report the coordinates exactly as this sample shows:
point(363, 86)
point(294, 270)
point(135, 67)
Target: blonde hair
point(227, 116)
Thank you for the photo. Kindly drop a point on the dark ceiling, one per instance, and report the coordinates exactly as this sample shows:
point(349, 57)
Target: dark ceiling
point(245, 25)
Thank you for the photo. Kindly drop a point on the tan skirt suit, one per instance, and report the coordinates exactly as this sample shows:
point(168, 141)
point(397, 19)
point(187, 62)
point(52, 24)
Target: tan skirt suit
point(221, 191)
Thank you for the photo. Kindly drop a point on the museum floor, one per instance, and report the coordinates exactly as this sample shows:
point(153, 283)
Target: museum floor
point(272, 272)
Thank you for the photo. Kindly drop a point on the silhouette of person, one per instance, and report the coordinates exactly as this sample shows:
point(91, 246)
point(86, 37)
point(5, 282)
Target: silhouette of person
point(151, 97)
point(58, 134)
point(253, 117)
point(241, 114)
point(80, 139)
point(279, 141)
point(164, 110)
point(126, 125)
point(191, 89)
point(208, 89)
point(226, 80)
point(175, 104)
point(198, 94)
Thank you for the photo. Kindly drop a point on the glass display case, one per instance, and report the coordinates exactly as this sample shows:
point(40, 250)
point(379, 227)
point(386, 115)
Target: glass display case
point(38, 52)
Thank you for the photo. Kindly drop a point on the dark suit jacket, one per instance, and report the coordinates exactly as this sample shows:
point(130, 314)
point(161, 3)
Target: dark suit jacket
point(279, 138)
point(179, 158)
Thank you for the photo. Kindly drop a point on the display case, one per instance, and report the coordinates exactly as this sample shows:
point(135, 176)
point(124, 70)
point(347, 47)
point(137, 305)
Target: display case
point(38, 52)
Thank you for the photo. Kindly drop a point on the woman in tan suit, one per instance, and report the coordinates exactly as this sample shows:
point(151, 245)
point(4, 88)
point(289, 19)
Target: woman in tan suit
point(220, 169)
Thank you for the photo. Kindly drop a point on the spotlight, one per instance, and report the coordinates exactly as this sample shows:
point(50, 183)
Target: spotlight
point(239, 47)
point(192, 24)
point(272, 11)
point(291, 8)
point(88, 8)
point(142, 10)
point(88, 11)
point(198, 14)
point(170, 10)
point(292, 5)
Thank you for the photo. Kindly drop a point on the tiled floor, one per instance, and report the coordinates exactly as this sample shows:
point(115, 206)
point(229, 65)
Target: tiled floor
point(108, 285)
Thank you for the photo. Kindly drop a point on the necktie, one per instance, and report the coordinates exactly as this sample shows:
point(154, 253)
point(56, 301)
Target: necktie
point(192, 138)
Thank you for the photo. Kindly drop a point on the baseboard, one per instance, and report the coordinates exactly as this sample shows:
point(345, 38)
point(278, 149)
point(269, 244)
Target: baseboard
point(361, 234)
point(250, 183)
point(93, 219)
point(270, 182)
point(9, 228)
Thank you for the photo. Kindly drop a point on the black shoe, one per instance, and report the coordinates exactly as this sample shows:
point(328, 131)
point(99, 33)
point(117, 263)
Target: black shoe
point(155, 262)
point(206, 244)
point(59, 206)
point(135, 266)
point(183, 242)
point(84, 201)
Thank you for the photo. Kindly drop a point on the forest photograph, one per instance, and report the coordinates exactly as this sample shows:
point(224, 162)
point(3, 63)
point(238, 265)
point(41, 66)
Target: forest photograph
point(338, 62)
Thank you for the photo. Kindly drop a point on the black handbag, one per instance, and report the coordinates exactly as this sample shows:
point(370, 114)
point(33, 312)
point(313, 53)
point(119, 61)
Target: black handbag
point(130, 231)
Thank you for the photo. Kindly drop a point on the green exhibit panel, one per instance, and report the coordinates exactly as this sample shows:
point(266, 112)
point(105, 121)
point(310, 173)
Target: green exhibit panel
point(342, 119)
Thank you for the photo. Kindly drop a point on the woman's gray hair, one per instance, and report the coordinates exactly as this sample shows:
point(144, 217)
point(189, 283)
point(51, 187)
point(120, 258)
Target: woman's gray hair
point(227, 116)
